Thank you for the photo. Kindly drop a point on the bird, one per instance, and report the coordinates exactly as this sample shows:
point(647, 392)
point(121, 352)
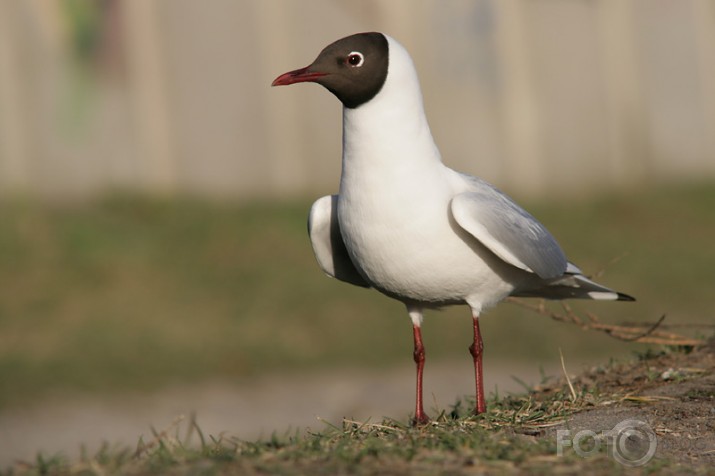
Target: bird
point(408, 226)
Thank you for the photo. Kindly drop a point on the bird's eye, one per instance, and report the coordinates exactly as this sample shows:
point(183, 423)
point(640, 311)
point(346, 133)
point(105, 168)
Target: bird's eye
point(355, 59)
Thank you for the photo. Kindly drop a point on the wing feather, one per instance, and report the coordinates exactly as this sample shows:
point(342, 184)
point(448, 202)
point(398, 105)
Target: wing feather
point(507, 230)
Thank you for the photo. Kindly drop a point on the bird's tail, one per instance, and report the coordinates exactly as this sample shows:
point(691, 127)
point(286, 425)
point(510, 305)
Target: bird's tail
point(573, 285)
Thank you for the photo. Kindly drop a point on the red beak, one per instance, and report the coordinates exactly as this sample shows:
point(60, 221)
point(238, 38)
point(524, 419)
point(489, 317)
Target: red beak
point(301, 75)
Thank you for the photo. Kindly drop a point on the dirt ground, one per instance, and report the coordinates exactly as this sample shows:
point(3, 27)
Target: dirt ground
point(671, 393)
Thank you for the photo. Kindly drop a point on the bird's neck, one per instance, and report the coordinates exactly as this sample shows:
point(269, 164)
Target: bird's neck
point(389, 156)
point(389, 131)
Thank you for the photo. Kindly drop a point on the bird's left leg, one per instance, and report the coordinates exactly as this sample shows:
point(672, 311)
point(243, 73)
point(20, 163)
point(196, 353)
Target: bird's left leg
point(477, 349)
point(420, 417)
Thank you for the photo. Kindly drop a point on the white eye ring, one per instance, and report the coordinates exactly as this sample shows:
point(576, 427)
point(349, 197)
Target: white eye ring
point(352, 55)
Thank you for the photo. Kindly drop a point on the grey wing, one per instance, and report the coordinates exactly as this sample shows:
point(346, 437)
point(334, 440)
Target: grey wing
point(508, 230)
point(328, 245)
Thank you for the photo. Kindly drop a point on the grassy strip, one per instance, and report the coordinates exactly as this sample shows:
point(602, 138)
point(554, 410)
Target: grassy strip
point(137, 293)
point(454, 443)
point(514, 436)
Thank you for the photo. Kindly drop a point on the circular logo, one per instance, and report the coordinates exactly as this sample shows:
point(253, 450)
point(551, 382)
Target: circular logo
point(634, 442)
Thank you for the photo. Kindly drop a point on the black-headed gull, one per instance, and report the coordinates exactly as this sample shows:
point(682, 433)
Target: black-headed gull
point(407, 225)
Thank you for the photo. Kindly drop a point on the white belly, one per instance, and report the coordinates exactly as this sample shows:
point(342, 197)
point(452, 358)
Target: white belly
point(408, 246)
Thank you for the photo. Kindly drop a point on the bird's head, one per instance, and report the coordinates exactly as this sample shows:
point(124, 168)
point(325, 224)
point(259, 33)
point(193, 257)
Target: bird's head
point(354, 68)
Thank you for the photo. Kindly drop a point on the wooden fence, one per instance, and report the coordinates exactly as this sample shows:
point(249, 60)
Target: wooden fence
point(173, 96)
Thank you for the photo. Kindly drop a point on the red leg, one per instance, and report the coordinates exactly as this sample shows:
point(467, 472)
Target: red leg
point(477, 349)
point(419, 355)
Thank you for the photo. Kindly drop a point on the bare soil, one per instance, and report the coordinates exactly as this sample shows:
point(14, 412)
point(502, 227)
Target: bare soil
point(672, 392)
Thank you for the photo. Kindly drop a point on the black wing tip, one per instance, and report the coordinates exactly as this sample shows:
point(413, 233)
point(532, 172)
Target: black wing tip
point(625, 297)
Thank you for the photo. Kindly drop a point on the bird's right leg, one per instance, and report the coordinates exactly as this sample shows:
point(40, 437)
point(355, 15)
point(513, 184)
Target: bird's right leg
point(477, 349)
point(420, 417)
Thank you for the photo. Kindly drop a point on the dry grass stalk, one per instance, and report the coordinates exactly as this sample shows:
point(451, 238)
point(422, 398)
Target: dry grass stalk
point(566, 375)
point(644, 334)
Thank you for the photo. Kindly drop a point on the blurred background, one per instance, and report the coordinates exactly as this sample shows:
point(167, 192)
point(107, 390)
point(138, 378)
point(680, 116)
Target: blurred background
point(154, 191)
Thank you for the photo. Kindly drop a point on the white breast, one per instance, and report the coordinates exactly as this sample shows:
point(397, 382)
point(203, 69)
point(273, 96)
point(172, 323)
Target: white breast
point(401, 236)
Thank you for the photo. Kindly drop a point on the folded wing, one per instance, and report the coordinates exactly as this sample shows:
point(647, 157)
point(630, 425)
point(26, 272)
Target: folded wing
point(508, 230)
point(328, 245)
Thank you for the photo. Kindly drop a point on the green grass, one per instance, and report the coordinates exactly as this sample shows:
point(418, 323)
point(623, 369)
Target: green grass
point(511, 438)
point(135, 293)
point(518, 434)
point(452, 444)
